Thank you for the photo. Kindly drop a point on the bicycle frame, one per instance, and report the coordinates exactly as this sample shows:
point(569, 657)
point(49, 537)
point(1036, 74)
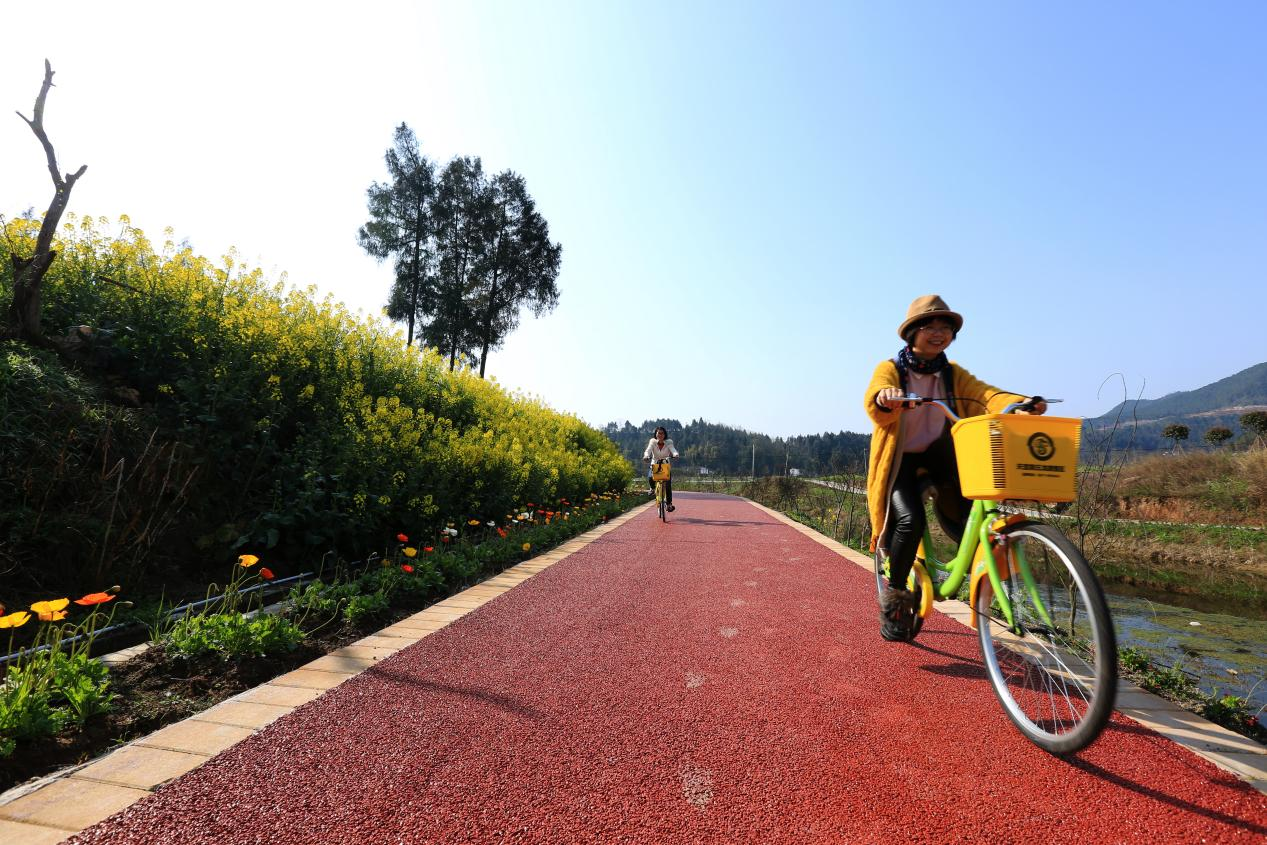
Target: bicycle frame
point(977, 546)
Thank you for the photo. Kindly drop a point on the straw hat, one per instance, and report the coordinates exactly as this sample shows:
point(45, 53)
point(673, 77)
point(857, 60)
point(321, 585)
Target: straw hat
point(926, 308)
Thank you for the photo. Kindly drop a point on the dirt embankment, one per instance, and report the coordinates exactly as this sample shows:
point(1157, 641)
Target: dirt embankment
point(1187, 557)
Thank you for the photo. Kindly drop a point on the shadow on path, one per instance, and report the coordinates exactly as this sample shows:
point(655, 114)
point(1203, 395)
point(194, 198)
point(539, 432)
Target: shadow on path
point(1163, 797)
point(508, 704)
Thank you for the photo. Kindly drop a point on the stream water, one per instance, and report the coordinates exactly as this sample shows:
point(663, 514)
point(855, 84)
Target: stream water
point(1210, 645)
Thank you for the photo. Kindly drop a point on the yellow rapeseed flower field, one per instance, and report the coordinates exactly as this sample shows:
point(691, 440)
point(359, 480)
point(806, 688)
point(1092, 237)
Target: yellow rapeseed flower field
point(323, 425)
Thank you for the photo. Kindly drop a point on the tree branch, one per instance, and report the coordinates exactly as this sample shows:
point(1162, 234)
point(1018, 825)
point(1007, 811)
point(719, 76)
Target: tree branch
point(24, 310)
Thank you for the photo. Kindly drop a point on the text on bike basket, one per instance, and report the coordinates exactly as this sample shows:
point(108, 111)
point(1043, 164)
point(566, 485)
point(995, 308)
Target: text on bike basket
point(1011, 456)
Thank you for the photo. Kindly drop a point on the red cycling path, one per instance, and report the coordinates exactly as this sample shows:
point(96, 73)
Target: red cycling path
point(719, 678)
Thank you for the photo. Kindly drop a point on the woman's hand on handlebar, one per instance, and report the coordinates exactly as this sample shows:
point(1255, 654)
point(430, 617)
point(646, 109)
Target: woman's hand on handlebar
point(890, 398)
point(1035, 405)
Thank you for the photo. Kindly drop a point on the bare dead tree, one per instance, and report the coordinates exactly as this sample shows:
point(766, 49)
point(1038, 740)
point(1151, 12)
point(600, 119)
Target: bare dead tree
point(28, 275)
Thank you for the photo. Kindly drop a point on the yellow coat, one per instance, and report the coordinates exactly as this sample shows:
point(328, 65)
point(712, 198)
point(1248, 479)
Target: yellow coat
point(886, 440)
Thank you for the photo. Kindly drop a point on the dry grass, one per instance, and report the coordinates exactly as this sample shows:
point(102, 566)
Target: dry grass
point(1214, 487)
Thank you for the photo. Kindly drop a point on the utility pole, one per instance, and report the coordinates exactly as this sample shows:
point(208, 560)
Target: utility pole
point(753, 475)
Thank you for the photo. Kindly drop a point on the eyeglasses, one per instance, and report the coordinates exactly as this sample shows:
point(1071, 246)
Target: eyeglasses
point(940, 328)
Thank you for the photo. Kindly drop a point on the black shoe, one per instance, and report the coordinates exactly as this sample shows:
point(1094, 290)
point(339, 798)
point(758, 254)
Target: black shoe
point(670, 508)
point(897, 615)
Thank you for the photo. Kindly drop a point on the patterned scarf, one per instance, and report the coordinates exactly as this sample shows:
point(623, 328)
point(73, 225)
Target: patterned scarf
point(908, 361)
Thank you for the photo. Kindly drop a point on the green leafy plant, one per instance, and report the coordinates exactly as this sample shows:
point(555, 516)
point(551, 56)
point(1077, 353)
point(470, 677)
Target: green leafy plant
point(365, 607)
point(83, 684)
point(232, 634)
point(26, 709)
point(1225, 709)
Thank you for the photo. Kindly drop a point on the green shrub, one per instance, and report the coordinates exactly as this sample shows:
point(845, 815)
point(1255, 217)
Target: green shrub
point(26, 709)
point(232, 635)
point(81, 686)
point(366, 607)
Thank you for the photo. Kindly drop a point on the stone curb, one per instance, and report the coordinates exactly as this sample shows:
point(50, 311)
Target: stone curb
point(60, 805)
point(1226, 749)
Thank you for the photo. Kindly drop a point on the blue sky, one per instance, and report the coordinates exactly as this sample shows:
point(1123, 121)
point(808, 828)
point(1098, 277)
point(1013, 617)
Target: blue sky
point(748, 194)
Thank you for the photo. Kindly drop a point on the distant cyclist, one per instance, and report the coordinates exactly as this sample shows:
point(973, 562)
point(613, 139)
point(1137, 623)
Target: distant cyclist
point(911, 447)
point(660, 448)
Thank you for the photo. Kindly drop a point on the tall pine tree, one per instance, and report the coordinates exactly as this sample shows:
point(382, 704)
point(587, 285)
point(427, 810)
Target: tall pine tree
point(520, 265)
point(470, 253)
point(400, 226)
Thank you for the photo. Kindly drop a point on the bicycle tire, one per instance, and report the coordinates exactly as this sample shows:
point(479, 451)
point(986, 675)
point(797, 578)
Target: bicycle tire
point(659, 495)
point(1055, 673)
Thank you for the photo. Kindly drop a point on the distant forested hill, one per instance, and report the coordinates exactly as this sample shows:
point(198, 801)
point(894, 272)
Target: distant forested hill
point(724, 449)
point(1217, 404)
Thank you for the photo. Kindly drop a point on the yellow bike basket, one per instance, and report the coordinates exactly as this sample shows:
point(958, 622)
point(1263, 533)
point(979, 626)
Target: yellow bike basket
point(660, 471)
point(1012, 456)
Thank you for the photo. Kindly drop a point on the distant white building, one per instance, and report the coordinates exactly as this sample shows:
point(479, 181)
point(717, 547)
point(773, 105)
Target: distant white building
point(794, 471)
point(705, 471)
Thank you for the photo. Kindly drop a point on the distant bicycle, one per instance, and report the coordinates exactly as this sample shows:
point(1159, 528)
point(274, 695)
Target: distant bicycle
point(660, 474)
point(1043, 623)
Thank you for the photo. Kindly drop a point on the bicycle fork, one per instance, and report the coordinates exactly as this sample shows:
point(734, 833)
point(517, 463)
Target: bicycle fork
point(999, 545)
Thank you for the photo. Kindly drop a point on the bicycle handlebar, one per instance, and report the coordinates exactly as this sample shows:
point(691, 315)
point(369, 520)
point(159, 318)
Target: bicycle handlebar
point(912, 400)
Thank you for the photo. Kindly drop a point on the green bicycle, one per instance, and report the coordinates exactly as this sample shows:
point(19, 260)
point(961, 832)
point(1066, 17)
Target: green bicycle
point(1041, 617)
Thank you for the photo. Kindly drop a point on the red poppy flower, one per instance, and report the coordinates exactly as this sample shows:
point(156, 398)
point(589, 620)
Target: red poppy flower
point(404, 538)
point(501, 532)
point(444, 539)
point(266, 573)
point(91, 599)
point(428, 548)
point(406, 567)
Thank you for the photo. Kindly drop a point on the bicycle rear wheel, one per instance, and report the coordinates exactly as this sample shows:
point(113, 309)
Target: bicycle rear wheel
point(659, 495)
point(1055, 669)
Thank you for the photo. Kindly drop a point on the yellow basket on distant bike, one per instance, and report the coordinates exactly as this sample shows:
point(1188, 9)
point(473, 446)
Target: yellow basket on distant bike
point(660, 471)
point(1014, 456)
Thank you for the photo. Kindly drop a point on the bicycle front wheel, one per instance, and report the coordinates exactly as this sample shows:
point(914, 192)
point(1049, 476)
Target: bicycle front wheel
point(1054, 669)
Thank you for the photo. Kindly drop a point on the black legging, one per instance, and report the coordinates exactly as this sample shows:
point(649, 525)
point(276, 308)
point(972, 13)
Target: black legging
point(906, 504)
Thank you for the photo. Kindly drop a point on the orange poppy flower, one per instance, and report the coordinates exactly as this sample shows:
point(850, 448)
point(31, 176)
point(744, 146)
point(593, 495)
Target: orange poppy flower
point(266, 573)
point(53, 616)
point(247, 560)
point(472, 522)
point(94, 598)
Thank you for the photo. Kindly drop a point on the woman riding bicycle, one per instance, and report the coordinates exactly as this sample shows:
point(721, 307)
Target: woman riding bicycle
point(911, 447)
point(660, 448)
